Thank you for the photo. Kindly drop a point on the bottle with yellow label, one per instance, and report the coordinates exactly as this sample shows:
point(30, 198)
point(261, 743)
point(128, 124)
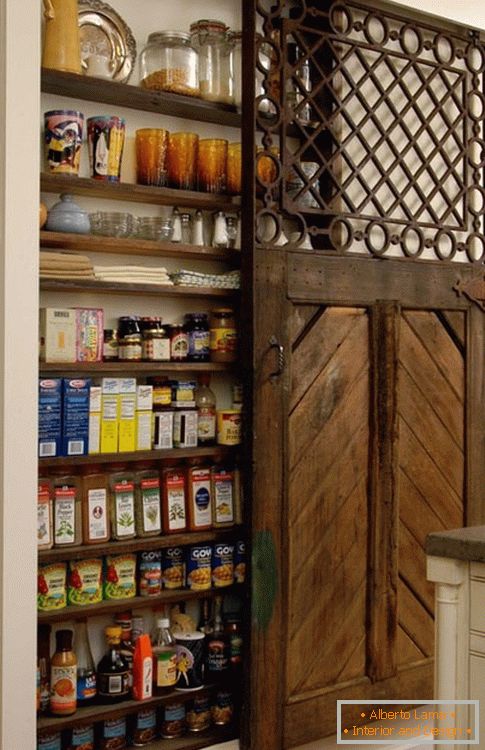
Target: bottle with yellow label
point(164, 657)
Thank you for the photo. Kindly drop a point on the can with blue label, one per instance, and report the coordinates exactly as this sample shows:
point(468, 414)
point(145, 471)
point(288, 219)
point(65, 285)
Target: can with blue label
point(240, 562)
point(199, 567)
point(49, 741)
point(150, 573)
point(82, 738)
point(173, 568)
point(144, 727)
point(223, 564)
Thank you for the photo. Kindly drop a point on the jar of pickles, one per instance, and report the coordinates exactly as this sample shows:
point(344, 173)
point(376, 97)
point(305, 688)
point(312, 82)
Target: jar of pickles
point(210, 39)
point(169, 62)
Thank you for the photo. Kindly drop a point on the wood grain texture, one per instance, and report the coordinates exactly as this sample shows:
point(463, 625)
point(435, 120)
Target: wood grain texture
point(475, 418)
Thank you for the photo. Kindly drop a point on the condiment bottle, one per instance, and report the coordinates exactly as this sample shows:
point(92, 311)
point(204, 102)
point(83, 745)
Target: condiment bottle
point(174, 501)
point(205, 402)
point(95, 507)
point(186, 221)
point(198, 229)
point(147, 503)
point(67, 511)
point(127, 648)
point(142, 668)
point(197, 329)
point(63, 676)
point(177, 226)
point(179, 343)
point(220, 238)
point(199, 498)
point(164, 656)
point(43, 665)
point(45, 512)
point(234, 632)
point(223, 335)
point(122, 505)
point(217, 647)
point(112, 673)
point(86, 672)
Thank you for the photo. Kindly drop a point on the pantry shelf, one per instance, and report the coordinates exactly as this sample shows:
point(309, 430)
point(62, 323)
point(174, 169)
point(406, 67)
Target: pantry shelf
point(146, 544)
point(133, 246)
point(126, 191)
point(134, 97)
point(92, 287)
point(204, 739)
point(137, 602)
point(130, 368)
point(154, 455)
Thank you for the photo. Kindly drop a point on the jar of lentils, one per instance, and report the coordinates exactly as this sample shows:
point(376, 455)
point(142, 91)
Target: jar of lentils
point(169, 62)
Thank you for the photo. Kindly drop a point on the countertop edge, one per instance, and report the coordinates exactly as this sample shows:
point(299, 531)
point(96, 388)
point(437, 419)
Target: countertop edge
point(461, 544)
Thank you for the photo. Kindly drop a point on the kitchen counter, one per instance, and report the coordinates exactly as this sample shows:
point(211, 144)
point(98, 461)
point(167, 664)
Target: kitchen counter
point(460, 544)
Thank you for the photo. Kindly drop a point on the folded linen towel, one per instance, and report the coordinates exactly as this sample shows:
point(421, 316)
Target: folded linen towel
point(66, 275)
point(75, 259)
point(130, 269)
point(135, 280)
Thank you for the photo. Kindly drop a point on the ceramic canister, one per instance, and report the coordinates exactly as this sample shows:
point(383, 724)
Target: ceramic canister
point(106, 138)
point(63, 135)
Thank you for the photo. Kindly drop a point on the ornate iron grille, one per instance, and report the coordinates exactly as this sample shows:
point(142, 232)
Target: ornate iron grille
point(372, 132)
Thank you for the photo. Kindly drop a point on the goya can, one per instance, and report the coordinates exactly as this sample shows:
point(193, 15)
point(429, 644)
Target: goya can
point(199, 714)
point(82, 738)
point(199, 567)
point(223, 565)
point(240, 562)
point(144, 727)
point(173, 722)
point(150, 573)
point(49, 741)
point(222, 708)
point(173, 568)
point(113, 734)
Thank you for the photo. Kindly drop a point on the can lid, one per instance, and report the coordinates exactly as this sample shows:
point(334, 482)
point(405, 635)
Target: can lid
point(195, 635)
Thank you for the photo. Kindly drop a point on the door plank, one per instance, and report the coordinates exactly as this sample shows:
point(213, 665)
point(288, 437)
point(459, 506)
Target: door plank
point(415, 620)
point(300, 318)
point(412, 568)
point(475, 418)
point(407, 651)
point(429, 518)
point(457, 323)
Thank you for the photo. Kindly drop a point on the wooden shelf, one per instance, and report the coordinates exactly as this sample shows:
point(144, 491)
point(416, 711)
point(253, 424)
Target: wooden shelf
point(137, 602)
point(154, 455)
point(195, 741)
point(93, 287)
point(146, 544)
point(93, 243)
point(132, 368)
point(134, 97)
point(126, 191)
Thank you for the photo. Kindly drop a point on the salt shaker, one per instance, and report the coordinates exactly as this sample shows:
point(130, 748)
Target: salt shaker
point(177, 226)
point(220, 238)
point(186, 220)
point(231, 229)
point(198, 229)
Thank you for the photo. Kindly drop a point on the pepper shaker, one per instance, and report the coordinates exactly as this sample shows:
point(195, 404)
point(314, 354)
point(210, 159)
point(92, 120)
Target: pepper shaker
point(177, 226)
point(231, 228)
point(198, 229)
point(220, 238)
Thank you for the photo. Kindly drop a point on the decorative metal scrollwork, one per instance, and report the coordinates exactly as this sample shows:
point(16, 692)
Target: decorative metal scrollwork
point(372, 131)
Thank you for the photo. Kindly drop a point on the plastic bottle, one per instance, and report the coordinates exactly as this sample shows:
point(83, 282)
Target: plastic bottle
point(142, 668)
point(86, 672)
point(205, 402)
point(63, 676)
point(164, 657)
point(113, 672)
point(43, 664)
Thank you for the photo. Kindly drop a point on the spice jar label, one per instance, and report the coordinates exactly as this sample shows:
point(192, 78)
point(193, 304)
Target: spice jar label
point(150, 493)
point(125, 509)
point(44, 519)
point(176, 502)
point(63, 688)
point(98, 520)
point(64, 515)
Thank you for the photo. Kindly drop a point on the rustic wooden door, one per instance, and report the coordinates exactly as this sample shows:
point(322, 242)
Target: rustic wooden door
point(369, 438)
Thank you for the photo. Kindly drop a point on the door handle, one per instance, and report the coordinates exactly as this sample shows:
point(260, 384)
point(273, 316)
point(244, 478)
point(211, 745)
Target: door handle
point(281, 361)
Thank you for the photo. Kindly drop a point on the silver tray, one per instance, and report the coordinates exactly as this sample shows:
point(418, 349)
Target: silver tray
point(103, 31)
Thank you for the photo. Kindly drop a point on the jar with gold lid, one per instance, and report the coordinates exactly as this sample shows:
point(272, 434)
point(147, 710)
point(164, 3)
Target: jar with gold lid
point(169, 62)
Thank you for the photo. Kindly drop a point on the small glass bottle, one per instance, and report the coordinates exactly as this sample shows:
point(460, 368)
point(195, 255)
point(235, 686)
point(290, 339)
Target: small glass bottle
point(197, 328)
point(63, 676)
point(113, 671)
point(205, 402)
point(210, 39)
point(177, 226)
point(95, 507)
point(164, 657)
point(223, 335)
point(179, 343)
point(127, 647)
point(186, 228)
point(217, 647)
point(198, 229)
point(86, 672)
point(220, 238)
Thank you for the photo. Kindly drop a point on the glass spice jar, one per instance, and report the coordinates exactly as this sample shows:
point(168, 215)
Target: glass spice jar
point(223, 335)
point(169, 62)
point(156, 340)
point(210, 39)
point(129, 339)
point(197, 328)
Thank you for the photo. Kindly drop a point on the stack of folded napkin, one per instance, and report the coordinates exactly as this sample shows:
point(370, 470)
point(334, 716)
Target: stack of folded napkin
point(133, 275)
point(65, 266)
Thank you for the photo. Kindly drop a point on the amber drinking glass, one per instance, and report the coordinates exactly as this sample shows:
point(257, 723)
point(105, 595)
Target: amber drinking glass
point(151, 153)
point(234, 168)
point(182, 160)
point(266, 168)
point(212, 165)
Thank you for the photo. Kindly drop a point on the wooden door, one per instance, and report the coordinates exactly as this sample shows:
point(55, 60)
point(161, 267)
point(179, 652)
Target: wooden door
point(369, 439)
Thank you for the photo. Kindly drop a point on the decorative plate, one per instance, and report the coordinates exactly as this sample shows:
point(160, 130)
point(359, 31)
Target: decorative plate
point(103, 32)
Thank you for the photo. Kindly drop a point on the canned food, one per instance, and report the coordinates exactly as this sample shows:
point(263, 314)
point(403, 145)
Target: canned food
point(229, 427)
point(150, 573)
point(222, 709)
point(82, 738)
point(113, 734)
point(223, 565)
point(199, 567)
point(240, 562)
point(49, 741)
point(199, 714)
point(173, 568)
point(190, 660)
point(173, 722)
point(145, 727)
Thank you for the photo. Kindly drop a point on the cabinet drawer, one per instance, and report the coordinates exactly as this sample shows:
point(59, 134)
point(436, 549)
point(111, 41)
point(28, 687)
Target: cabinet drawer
point(477, 643)
point(477, 614)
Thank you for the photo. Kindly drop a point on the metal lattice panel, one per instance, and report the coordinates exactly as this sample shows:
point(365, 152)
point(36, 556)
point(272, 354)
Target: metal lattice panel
point(372, 132)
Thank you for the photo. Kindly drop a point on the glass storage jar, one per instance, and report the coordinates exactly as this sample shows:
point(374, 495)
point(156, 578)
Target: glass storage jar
point(169, 62)
point(235, 63)
point(210, 39)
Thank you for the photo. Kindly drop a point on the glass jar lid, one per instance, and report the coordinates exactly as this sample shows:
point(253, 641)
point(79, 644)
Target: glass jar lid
point(209, 26)
point(163, 37)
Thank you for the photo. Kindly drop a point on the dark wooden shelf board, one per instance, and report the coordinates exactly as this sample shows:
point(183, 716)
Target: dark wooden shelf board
point(137, 602)
point(93, 243)
point(195, 741)
point(133, 368)
point(146, 544)
point(126, 191)
point(94, 287)
point(122, 458)
point(135, 97)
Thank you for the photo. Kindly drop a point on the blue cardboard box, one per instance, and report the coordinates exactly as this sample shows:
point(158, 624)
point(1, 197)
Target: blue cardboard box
point(75, 416)
point(50, 417)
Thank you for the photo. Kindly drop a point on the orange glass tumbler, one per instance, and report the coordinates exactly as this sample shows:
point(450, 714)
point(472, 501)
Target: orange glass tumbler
point(182, 160)
point(234, 161)
point(151, 153)
point(212, 167)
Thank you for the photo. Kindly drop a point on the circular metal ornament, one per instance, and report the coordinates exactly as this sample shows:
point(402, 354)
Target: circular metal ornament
point(475, 238)
point(102, 31)
point(406, 241)
point(377, 251)
point(442, 234)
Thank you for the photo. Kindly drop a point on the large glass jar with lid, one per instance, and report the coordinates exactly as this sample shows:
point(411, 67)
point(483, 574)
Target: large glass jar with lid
point(235, 41)
point(210, 39)
point(169, 62)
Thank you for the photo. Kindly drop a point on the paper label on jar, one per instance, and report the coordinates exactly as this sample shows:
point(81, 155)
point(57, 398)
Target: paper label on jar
point(98, 521)
point(63, 688)
point(65, 516)
point(223, 339)
point(206, 425)
point(166, 669)
point(179, 346)
point(223, 498)
point(176, 503)
point(201, 497)
point(125, 510)
point(44, 520)
point(150, 493)
point(157, 349)
point(199, 343)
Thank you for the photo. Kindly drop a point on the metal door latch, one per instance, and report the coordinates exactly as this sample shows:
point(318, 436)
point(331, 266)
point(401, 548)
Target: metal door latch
point(274, 344)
